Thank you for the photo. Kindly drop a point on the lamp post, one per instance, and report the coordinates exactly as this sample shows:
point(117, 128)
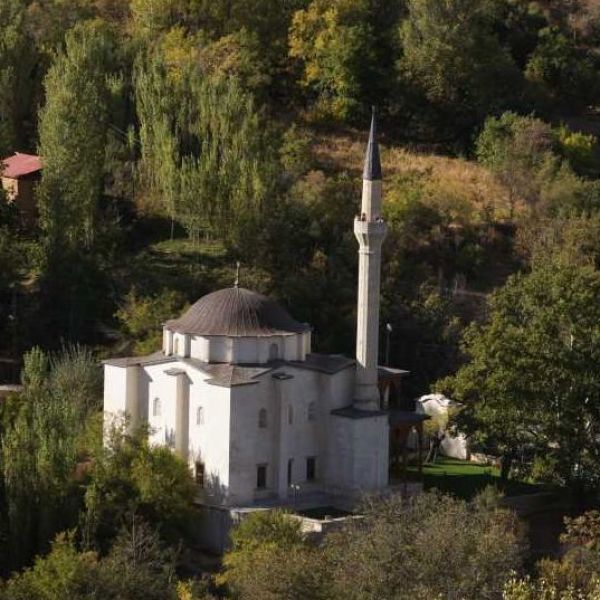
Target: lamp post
point(388, 333)
point(296, 488)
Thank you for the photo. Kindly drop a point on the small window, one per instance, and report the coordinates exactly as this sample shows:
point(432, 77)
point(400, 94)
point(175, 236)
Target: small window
point(290, 471)
point(311, 468)
point(290, 414)
point(200, 416)
point(156, 407)
point(199, 473)
point(273, 352)
point(262, 418)
point(261, 477)
point(312, 411)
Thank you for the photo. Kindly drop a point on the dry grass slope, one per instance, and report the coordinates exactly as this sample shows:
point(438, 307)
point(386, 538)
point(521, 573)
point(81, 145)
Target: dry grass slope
point(464, 190)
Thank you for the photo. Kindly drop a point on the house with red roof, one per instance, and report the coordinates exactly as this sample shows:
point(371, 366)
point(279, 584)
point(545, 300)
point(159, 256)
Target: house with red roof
point(20, 175)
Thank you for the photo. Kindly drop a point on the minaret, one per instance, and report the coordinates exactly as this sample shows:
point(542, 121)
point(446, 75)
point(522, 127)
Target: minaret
point(370, 230)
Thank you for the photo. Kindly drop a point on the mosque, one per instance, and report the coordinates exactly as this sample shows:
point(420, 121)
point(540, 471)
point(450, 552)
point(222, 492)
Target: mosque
point(238, 393)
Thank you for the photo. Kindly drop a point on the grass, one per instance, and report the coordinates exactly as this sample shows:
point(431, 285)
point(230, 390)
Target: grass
point(465, 479)
point(464, 189)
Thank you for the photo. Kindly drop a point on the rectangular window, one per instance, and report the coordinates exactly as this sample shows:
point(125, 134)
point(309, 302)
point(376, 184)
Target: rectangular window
point(199, 474)
point(261, 477)
point(156, 407)
point(289, 473)
point(311, 468)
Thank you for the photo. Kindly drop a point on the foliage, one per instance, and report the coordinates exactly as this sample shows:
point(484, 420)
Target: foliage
point(335, 44)
point(516, 149)
point(526, 155)
point(17, 64)
point(578, 148)
point(575, 575)
point(462, 70)
point(130, 477)
point(397, 550)
point(142, 318)
point(529, 383)
point(137, 567)
point(481, 538)
point(73, 135)
point(270, 559)
point(205, 151)
point(40, 448)
point(566, 72)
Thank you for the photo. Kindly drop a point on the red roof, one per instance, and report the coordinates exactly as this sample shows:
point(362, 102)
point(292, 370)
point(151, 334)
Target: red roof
point(20, 165)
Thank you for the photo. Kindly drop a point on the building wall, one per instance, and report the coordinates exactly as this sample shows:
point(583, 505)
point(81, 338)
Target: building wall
point(243, 350)
point(22, 193)
point(288, 389)
point(229, 442)
point(208, 442)
point(120, 394)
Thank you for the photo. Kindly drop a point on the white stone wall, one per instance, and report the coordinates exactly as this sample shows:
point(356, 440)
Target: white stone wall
point(350, 454)
point(242, 350)
point(115, 391)
point(283, 440)
point(121, 395)
point(207, 442)
point(360, 450)
point(210, 441)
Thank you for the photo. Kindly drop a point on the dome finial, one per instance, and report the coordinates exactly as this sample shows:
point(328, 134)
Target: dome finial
point(236, 283)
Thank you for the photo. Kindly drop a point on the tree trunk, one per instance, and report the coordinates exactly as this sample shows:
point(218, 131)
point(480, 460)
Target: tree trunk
point(505, 465)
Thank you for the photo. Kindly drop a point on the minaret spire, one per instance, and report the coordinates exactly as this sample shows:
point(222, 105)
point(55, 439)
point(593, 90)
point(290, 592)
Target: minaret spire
point(370, 230)
point(372, 169)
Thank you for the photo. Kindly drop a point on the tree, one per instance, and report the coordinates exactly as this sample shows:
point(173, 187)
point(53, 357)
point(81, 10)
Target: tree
point(529, 384)
point(397, 550)
point(461, 69)
point(205, 150)
point(17, 64)
point(400, 549)
point(516, 149)
point(576, 574)
point(73, 135)
point(137, 567)
point(335, 44)
point(270, 559)
point(564, 71)
point(227, 182)
point(128, 478)
point(40, 447)
point(142, 318)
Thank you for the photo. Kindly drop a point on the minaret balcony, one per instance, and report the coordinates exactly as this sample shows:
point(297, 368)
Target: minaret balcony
point(369, 231)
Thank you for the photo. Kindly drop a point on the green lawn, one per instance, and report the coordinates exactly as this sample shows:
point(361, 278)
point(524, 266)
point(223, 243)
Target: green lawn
point(464, 479)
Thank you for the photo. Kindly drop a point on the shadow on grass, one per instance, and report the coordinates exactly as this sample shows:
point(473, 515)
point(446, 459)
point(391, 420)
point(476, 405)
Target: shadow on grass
point(465, 479)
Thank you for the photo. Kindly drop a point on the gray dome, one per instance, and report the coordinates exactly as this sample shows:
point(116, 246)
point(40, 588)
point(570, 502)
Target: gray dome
point(236, 312)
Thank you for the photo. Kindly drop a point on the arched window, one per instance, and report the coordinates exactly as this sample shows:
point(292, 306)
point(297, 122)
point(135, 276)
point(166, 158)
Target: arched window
point(156, 407)
point(312, 411)
point(290, 414)
point(200, 416)
point(273, 352)
point(262, 418)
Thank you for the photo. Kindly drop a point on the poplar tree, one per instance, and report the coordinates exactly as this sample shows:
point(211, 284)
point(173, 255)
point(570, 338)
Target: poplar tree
point(17, 61)
point(73, 134)
point(206, 157)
